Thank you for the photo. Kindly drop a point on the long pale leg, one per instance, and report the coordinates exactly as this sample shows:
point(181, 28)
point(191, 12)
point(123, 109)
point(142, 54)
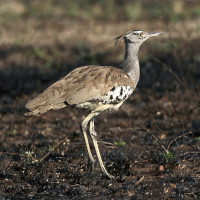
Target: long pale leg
point(94, 139)
point(84, 130)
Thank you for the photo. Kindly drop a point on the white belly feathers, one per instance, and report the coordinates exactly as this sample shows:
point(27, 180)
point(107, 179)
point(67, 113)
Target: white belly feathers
point(116, 95)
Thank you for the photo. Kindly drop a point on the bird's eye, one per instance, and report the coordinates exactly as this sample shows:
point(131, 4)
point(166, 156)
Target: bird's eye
point(140, 34)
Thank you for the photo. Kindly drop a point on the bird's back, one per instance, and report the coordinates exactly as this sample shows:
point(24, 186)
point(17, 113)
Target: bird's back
point(88, 84)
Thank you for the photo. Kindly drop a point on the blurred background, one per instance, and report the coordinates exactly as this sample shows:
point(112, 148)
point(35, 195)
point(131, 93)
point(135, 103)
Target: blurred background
point(40, 41)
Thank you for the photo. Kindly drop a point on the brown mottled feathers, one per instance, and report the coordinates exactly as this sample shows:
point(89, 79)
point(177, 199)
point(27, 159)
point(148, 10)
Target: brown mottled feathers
point(84, 84)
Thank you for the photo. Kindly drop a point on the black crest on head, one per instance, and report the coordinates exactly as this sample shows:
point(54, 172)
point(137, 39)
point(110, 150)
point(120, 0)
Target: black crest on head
point(117, 39)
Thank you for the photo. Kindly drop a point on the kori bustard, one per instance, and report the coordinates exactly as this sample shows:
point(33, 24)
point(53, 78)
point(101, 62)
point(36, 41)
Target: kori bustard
point(95, 88)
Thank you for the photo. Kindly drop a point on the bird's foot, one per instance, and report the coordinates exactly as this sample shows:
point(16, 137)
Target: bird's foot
point(105, 173)
point(90, 165)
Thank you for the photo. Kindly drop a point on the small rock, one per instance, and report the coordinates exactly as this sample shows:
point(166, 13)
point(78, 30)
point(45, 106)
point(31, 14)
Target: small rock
point(172, 186)
point(161, 168)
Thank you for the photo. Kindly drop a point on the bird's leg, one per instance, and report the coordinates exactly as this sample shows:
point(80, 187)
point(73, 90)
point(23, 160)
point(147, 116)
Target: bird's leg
point(94, 139)
point(84, 130)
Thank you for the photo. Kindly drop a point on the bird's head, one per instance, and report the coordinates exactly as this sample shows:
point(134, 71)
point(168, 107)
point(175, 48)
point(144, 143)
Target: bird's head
point(137, 36)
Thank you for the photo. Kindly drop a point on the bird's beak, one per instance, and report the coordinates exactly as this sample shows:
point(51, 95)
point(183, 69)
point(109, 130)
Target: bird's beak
point(154, 34)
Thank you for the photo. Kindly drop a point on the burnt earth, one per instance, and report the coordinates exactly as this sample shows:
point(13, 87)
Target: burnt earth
point(129, 150)
point(45, 157)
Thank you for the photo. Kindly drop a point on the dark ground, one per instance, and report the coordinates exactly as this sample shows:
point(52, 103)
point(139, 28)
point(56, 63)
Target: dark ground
point(45, 157)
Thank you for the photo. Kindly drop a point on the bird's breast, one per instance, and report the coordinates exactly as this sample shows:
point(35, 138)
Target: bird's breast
point(116, 95)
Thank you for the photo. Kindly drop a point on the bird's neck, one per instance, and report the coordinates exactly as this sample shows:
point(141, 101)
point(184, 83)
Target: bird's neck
point(131, 63)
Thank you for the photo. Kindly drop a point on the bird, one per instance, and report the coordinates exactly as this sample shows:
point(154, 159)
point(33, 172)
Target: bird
point(96, 89)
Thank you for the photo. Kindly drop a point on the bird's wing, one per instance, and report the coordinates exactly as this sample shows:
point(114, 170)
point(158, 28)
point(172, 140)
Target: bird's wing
point(82, 85)
point(90, 83)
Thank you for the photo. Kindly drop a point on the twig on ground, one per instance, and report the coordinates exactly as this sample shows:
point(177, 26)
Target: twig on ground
point(169, 70)
point(1, 116)
point(180, 136)
point(7, 165)
point(192, 152)
point(108, 144)
point(168, 146)
point(157, 140)
point(35, 131)
point(140, 180)
point(53, 148)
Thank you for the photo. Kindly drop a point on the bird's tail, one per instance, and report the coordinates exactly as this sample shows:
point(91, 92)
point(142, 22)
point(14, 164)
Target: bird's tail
point(39, 106)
